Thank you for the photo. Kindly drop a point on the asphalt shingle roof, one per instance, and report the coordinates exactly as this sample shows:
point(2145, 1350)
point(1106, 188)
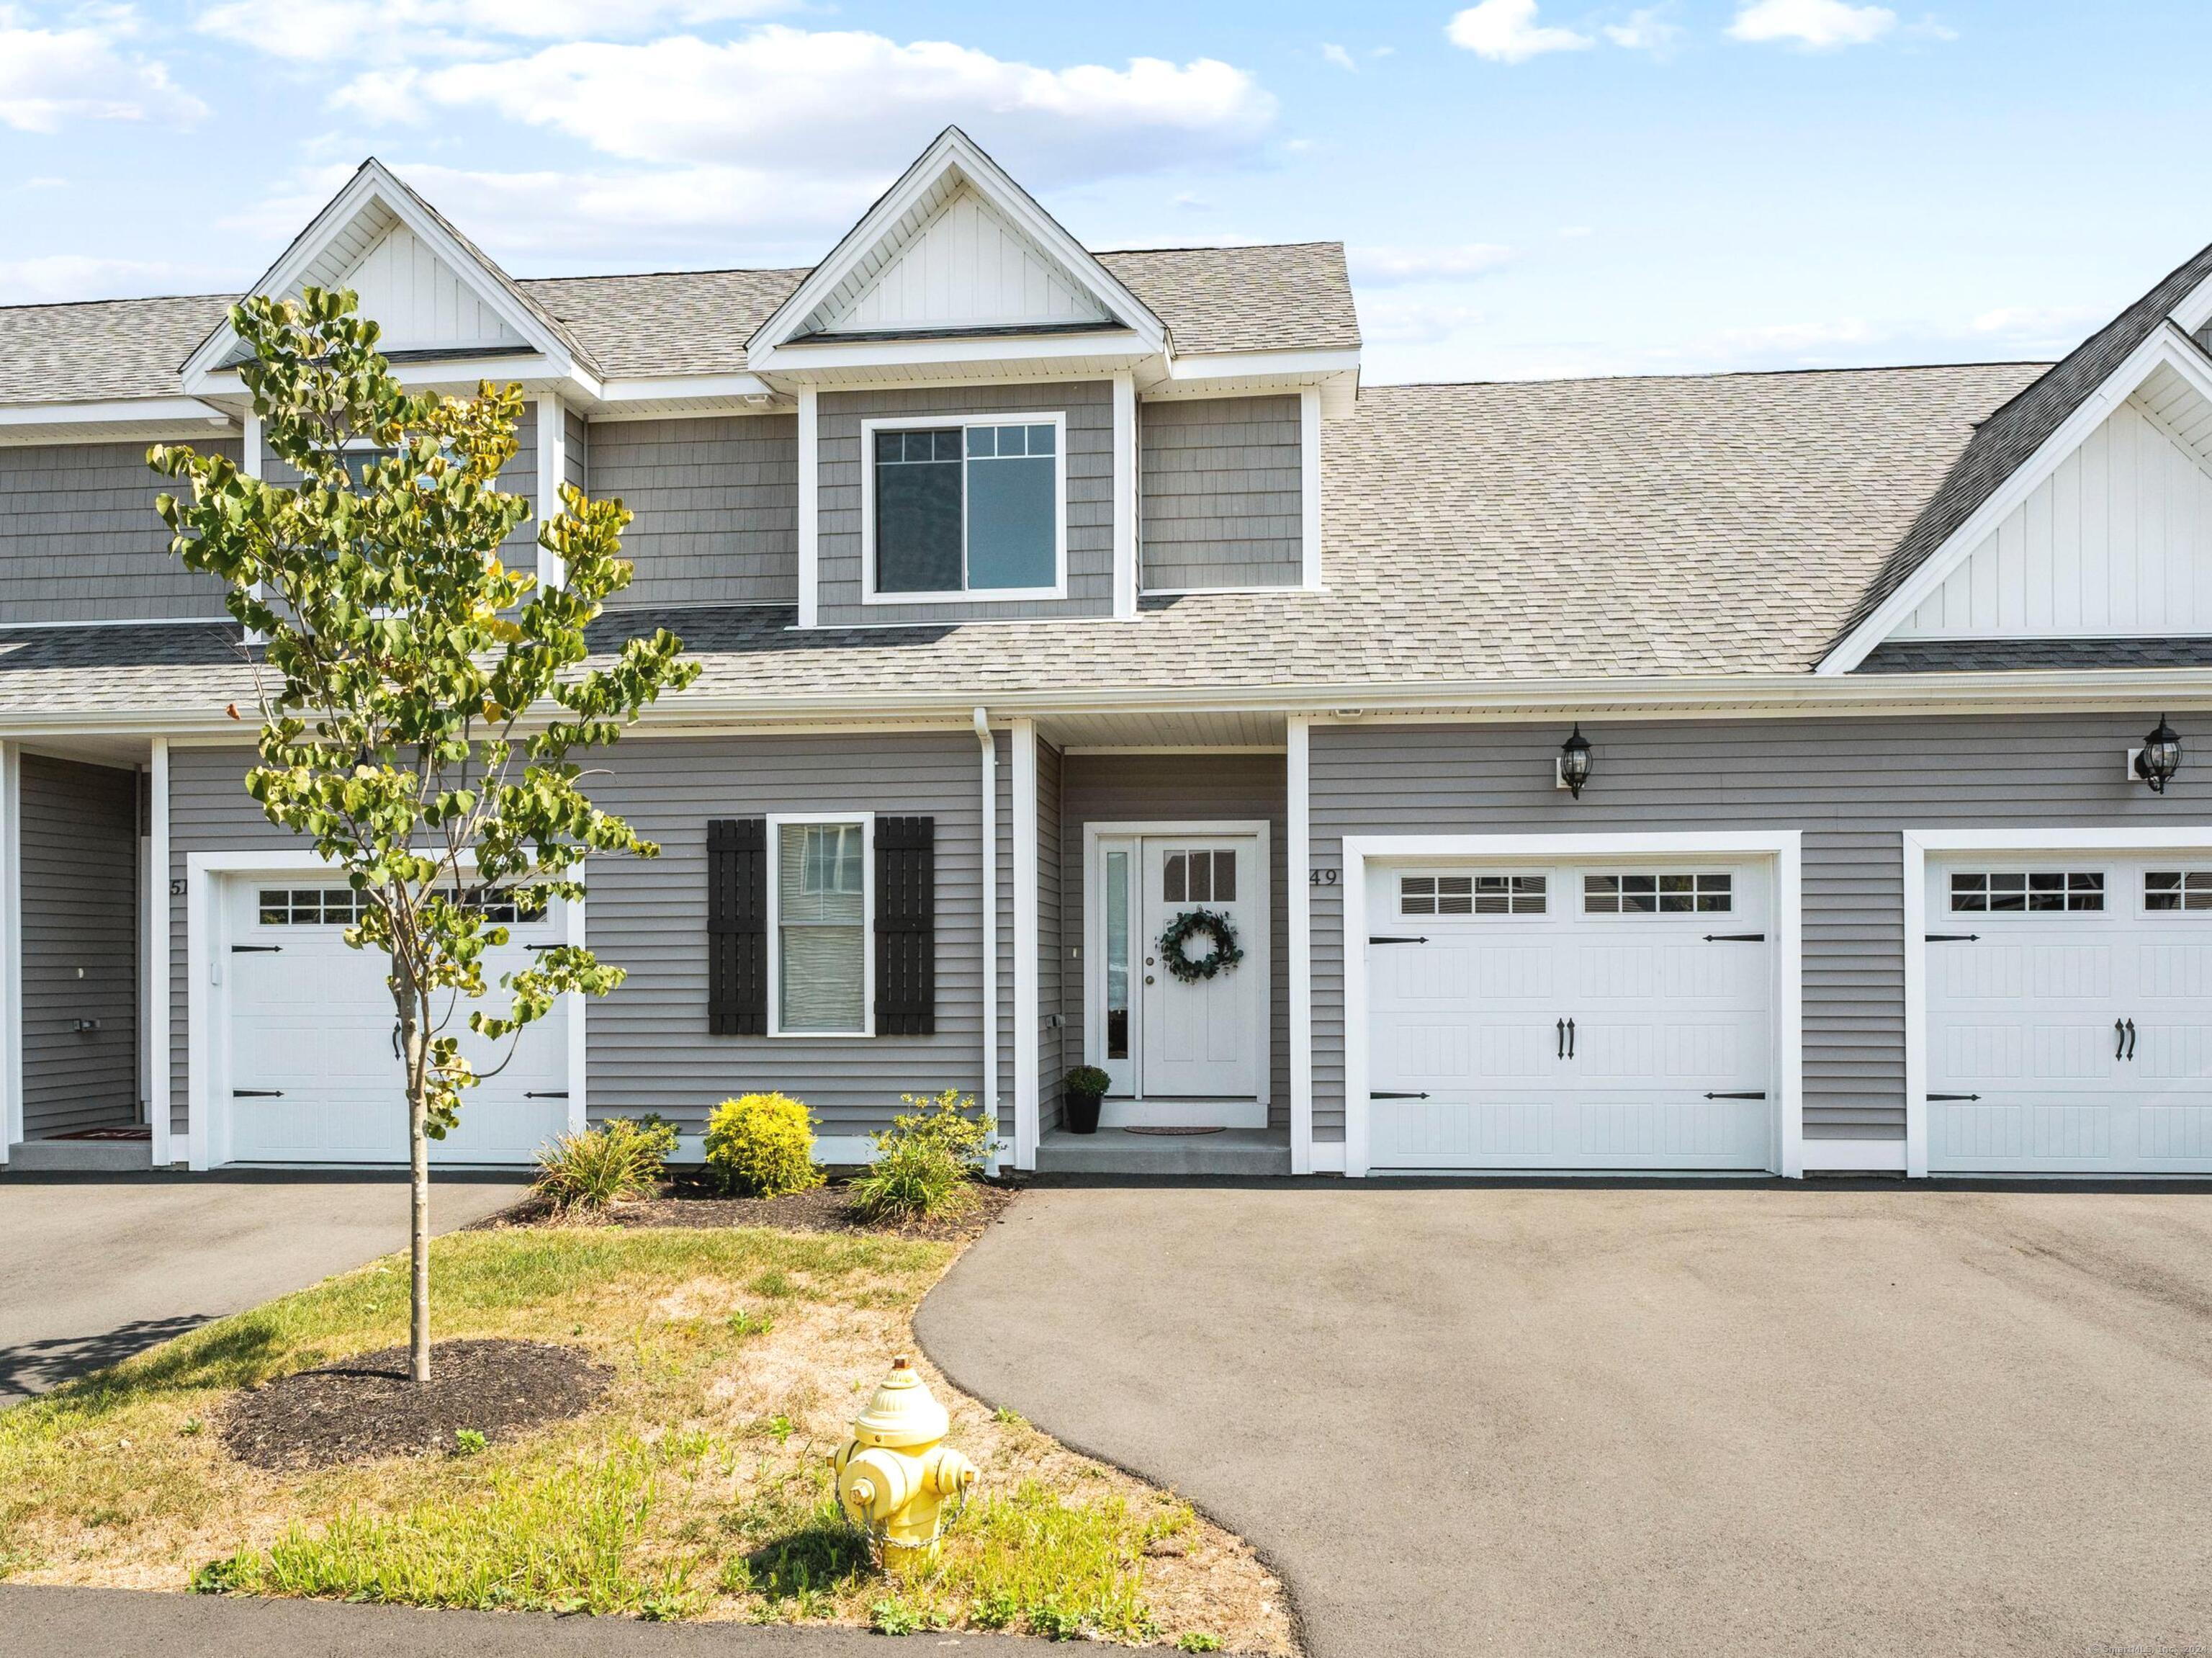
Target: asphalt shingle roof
point(2033, 656)
point(1583, 529)
point(1213, 299)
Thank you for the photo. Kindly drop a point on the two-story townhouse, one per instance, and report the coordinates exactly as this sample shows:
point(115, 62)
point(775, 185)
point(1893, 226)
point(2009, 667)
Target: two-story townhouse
point(1729, 773)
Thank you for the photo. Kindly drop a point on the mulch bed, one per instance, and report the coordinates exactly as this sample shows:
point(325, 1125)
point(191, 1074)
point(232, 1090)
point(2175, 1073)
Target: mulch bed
point(366, 1406)
point(691, 1200)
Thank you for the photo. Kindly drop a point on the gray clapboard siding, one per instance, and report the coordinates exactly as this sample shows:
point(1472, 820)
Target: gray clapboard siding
point(716, 506)
point(1221, 493)
point(1089, 405)
point(80, 540)
point(1169, 787)
point(79, 924)
point(576, 443)
point(1851, 785)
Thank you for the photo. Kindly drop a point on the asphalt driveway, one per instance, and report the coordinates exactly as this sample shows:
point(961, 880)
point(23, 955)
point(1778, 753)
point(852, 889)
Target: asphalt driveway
point(1601, 1421)
point(93, 1270)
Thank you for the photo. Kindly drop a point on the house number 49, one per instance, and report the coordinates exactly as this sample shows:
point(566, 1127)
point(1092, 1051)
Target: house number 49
point(1323, 877)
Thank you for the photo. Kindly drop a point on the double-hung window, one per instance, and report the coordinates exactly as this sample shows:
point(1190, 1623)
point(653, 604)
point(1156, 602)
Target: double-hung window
point(965, 508)
point(821, 898)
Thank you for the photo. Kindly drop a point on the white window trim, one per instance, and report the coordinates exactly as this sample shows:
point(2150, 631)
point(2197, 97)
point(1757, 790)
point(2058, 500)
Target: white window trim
point(1782, 847)
point(207, 994)
point(1918, 845)
point(776, 823)
point(1055, 419)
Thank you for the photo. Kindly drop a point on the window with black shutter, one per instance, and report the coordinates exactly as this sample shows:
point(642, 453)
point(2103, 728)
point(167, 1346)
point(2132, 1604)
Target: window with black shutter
point(906, 926)
point(736, 927)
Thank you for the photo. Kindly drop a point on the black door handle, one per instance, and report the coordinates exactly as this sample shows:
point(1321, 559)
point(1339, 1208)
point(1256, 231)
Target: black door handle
point(1570, 1038)
point(2119, 1039)
point(2131, 1041)
point(1560, 1026)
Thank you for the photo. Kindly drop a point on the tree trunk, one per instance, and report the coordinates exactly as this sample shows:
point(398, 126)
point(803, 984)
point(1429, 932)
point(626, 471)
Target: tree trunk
point(418, 1179)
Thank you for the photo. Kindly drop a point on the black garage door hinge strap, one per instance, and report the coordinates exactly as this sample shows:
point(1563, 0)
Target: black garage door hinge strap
point(1736, 938)
point(562, 1094)
point(1756, 1093)
point(1389, 1094)
point(256, 1094)
point(256, 950)
point(1954, 1096)
point(1954, 938)
point(1396, 941)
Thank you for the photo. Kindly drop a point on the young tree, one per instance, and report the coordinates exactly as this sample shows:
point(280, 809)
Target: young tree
point(419, 701)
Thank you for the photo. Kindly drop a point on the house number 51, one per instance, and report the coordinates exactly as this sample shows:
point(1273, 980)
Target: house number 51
point(1323, 877)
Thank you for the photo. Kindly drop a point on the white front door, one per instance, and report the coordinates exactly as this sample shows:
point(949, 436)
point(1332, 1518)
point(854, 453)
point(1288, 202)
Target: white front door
point(312, 1070)
point(1159, 1036)
point(1571, 1016)
point(2069, 1014)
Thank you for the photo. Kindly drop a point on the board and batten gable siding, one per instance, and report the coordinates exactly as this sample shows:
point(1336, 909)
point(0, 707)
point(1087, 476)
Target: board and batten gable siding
point(1089, 407)
point(2117, 541)
point(715, 505)
point(80, 540)
point(1851, 785)
point(1169, 787)
point(1221, 503)
point(80, 928)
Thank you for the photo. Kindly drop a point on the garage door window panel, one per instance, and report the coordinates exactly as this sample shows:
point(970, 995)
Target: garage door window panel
point(2165, 890)
point(1700, 893)
point(1471, 895)
point(2016, 892)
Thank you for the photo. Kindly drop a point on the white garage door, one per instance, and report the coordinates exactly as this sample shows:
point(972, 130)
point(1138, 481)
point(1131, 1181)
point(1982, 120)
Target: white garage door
point(311, 1068)
point(1571, 1016)
point(2069, 1014)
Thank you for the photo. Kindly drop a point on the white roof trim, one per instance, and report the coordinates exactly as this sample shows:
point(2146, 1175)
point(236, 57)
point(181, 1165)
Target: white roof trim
point(180, 410)
point(374, 185)
point(2168, 345)
point(2196, 310)
point(952, 152)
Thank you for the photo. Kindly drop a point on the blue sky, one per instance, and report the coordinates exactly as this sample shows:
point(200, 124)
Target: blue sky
point(1528, 187)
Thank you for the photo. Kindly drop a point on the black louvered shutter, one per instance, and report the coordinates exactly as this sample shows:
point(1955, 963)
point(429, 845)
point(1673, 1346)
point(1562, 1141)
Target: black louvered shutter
point(737, 926)
point(906, 926)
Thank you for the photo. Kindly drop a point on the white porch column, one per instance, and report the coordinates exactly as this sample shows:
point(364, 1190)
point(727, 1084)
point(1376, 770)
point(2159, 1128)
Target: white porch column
point(1125, 496)
point(157, 954)
point(990, 920)
point(552, 472)
point(1028, 1011)
point(11, 950)
point(809, 517)
point(1296, 878)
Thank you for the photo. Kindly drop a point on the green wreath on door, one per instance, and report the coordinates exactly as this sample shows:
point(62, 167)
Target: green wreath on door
point(1224, 951)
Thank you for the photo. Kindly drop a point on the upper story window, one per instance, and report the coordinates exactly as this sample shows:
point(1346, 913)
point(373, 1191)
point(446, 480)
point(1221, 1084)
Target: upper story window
point(965, 508)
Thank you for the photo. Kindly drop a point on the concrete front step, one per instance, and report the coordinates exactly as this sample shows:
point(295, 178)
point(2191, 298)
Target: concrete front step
point(81, 1156)
point(1234, 1151)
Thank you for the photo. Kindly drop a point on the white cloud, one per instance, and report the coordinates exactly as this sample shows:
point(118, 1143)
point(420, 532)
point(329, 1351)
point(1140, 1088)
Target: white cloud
point(1816, 24)
point(1647, 30)
point(1384, 267)
point(1506, 32)
point(50, 77)
point(54, 277)
point(787, 97)
point(1396, 322)
point(330, 31)
point(1340, 57)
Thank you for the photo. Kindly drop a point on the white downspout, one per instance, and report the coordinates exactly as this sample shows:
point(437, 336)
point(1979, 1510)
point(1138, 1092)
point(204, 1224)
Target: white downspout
point(990, 914)
point(159, 977)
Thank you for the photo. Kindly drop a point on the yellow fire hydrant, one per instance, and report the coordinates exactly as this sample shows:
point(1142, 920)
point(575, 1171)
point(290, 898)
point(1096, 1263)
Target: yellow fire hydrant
point(895, 1473)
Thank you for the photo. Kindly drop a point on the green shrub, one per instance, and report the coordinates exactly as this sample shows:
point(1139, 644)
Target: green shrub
point(762, 1145)
point(926, 1161)
point(1088, 1079)
point(603, 1165)
point(657, 1129)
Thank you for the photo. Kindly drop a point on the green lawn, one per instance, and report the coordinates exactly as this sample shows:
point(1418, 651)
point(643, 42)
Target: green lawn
point(698, 1488)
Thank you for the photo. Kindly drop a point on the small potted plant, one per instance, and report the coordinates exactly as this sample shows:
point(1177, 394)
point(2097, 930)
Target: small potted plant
point(1081, 1091)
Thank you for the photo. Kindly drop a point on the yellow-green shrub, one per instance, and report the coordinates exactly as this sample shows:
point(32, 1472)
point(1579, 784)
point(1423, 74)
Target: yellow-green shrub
point(762, 1145)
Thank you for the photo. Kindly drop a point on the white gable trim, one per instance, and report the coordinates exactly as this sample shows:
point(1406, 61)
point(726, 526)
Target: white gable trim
point(2195, 311)
point(952, 154)
point(373, 188)
point(2167, 346)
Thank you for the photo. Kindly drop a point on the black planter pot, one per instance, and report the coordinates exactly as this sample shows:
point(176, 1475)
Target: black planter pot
point(1081, 1110)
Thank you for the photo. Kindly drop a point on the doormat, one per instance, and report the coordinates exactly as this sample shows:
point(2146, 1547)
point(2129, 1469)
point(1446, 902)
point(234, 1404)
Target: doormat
point(105, 1134)
point(1172, 1131)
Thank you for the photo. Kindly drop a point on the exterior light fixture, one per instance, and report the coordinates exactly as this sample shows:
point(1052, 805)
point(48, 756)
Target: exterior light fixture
point(2159, 757)
point(1574, 762)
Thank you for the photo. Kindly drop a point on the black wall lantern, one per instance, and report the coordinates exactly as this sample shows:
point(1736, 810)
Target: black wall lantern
point(1574, 765)
point(2159, 757)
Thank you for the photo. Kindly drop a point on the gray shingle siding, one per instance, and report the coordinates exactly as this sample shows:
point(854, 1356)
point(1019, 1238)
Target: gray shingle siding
point(80, 929)
point(80, 540)
point(1220, 487)
point(716, 503)
point(1851, 785)
point(1166, 787)
point(1089, 405)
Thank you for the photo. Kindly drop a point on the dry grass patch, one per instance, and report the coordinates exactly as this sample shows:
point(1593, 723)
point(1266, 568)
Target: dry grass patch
point(698, 1488)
